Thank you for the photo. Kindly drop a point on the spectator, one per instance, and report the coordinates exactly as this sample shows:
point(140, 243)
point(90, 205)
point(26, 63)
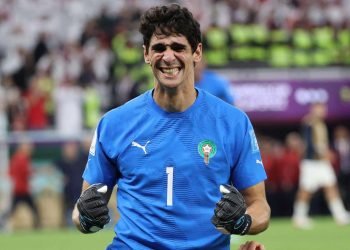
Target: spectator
point(21, 172)
point(5, 184)
point(40, 48)
point(35, 105)
point(342, 147)
point(14, 107)
point(71, 163)
point(5, 199)
point(267, 145)
point(288, 172)
point(68, 99)
point(22, 75)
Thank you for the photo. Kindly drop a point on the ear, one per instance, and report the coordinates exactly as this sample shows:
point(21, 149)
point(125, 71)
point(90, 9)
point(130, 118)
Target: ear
point(145, 55)
point(197, 54)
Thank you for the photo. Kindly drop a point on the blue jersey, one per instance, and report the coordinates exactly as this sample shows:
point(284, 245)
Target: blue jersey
point(168, 168)
point(215, 85)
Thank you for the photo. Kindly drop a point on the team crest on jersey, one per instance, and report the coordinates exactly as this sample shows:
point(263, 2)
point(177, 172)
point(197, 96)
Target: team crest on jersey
point(207, 149)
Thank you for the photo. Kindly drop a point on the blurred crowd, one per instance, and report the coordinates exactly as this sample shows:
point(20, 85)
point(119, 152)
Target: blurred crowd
point(63, 63)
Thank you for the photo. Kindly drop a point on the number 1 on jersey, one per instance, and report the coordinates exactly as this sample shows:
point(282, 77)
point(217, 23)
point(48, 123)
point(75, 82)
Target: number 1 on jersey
point(170, 184)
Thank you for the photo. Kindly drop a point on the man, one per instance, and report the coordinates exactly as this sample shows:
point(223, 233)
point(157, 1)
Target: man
point(342, 147)
point(316, 170)
point(212, 82)
point(20, 172)
point(171, 152)
point(71, 164)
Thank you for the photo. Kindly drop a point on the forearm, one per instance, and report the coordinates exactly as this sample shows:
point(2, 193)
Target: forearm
point(260, 212)
point(257, 208)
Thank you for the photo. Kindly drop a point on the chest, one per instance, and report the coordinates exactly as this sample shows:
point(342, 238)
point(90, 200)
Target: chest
point(188, 147)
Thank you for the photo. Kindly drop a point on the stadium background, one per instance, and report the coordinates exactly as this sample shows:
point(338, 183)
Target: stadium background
point(64, 63)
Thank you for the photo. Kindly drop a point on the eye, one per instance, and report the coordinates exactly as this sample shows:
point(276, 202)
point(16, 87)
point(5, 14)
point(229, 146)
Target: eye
point(158, 48)
point(178, 47)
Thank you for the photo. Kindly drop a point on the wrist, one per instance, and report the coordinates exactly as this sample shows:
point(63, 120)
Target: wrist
point(242, 225)
point(88, 225)
point(83, 223)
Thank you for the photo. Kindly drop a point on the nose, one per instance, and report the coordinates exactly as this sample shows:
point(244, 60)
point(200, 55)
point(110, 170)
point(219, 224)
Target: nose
point(168, 55)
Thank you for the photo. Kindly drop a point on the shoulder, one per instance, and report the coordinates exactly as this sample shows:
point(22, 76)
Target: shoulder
point(115, 120)
point(232, 122)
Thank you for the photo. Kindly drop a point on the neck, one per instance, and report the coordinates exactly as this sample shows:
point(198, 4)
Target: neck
point(174, 100)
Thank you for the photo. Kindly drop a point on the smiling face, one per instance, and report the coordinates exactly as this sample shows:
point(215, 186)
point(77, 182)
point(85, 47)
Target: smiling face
point(172, 60)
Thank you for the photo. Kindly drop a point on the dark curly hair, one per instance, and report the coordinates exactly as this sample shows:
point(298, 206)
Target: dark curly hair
point(168, 20)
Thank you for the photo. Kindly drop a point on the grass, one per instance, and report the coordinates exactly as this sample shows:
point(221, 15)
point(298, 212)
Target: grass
point(281, 235)
point(325, 235)
point(55, 240)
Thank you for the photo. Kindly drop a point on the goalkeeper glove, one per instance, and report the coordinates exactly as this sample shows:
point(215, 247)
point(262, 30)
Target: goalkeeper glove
point(93, 210)
point(229, 214)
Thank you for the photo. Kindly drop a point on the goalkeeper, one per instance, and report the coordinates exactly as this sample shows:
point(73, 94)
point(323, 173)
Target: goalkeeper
point(186, 164)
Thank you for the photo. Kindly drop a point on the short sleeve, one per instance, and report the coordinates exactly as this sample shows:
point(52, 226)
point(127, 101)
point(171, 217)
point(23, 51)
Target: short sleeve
point(100, 168)
point(248, 169)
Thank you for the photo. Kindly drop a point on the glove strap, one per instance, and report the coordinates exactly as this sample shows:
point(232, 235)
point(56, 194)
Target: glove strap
point(242, 226)
point(87, 225)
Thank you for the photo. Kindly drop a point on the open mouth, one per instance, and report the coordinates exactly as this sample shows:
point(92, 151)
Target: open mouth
point(170, 71)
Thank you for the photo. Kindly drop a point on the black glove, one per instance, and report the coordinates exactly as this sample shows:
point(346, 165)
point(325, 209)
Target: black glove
point(229, 214)
point(93, 210)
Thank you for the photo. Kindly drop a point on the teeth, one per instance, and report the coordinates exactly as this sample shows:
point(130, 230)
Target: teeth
point(171, 71)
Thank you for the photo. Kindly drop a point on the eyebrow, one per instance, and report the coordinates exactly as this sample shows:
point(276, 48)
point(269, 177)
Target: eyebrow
point(174, 46)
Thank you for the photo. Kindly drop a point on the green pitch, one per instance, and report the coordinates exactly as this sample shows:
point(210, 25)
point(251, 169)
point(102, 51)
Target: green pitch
point(281, 235)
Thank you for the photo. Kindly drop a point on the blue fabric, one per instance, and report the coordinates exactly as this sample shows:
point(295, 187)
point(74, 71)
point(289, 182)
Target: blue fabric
point(216, 85)
point(144, 149)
